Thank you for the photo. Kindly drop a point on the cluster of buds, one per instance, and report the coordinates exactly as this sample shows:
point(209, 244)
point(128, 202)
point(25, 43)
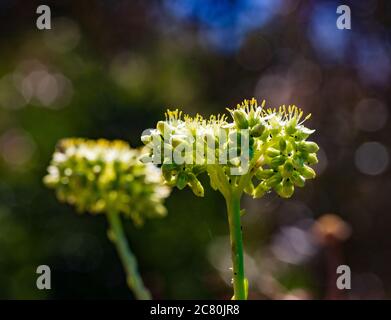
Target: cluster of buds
point(266, 145)
point(281, 156)
point(106, 176)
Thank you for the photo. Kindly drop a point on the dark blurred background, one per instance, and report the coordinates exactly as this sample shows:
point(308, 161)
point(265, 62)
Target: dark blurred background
point(110, 68)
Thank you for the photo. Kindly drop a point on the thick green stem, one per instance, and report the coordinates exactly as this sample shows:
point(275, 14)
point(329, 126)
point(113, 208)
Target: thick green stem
point(235, 228)
point(117, 236)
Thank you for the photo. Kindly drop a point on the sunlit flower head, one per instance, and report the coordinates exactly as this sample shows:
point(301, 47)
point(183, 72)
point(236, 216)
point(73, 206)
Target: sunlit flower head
point(268, 145)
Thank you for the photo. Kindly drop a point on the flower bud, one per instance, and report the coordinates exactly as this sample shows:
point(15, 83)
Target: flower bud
point(277, 161)
point(260, 190)
point(298, 162)
point(177, 140)
point(274, 180)
point(240, 118)
point(257, 130)
point(307, 172)
point(147, 138)
point(235, 161)
point(290, 127)
point(262, 174)
point(282, 144)
point(312, 158)
point(162, 127)
point(156, 137)
point(288, 169)
point(272, 152)
point(285, 189)
point(196, 186)
point(297, 179)
point(308, 146)
point(253, 120)
point(145, 158)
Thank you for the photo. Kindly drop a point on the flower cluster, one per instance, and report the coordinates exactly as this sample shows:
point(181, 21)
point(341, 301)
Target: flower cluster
point(259, 150)
point(106, 176)
point(185, 146)
point(281, 156)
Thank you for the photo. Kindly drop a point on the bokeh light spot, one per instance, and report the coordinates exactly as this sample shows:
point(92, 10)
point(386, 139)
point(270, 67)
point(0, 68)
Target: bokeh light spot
point(372, 158)
point(16, 147)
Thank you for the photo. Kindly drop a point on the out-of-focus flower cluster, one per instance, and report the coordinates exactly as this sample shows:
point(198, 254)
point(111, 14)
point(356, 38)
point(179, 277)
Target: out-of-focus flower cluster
point(101, 176)
point(269, 144)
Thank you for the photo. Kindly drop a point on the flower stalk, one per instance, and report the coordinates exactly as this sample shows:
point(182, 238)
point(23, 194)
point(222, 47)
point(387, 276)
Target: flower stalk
point(235, 230)
point(117, 236)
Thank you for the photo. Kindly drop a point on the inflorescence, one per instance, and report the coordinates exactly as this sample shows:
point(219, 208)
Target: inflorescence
point(266, 146)
point(106, 176)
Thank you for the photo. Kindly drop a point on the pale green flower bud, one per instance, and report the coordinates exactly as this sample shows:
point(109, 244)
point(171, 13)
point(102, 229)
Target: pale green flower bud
point(240, 118)
point(272, 152)
point(163, 127)
point(297, 179)
point(308, 146)
point(307, 172)
point(146, 138)
point(178, 140)
point(257, 130)
point(277, 161)
point(260, 190)
point(287, 169)
point(312, 158)
point(235, 161)
point(282, 144)
point(285, 189)
point(196, 186)
point(274, 180)
point(291, 126)
point(262, 174)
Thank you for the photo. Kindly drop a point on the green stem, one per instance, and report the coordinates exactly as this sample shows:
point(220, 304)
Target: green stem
point(117, 236)
point(235, 228)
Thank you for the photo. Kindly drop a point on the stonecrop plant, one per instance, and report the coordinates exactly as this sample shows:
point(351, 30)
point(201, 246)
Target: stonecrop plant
point(106, 177)
point(258, 151)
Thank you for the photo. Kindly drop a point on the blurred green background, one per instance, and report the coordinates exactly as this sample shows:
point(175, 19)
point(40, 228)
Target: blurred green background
point(110, 69)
